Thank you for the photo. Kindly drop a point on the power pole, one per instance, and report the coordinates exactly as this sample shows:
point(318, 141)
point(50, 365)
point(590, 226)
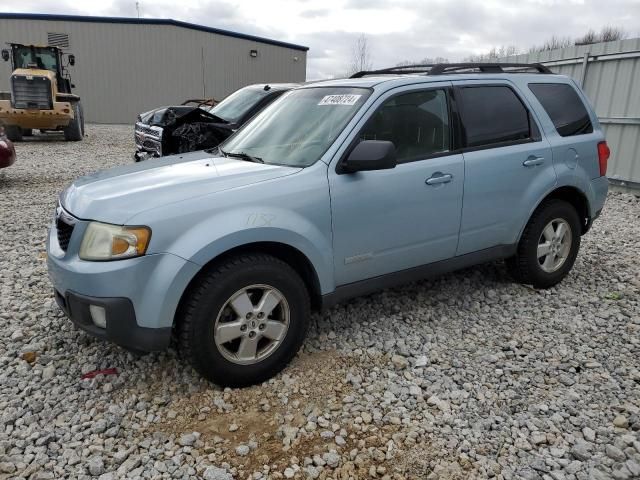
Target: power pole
point(138, 8)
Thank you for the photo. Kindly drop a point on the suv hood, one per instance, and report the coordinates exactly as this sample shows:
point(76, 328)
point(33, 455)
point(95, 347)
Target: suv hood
point(117, 194)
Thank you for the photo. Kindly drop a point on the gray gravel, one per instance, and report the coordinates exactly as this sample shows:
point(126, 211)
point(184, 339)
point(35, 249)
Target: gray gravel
point(466, 376)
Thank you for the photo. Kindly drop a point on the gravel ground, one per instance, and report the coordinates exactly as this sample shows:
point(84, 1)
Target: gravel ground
point(466, 376)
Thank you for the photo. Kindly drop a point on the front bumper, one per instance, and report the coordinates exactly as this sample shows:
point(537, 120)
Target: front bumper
point(122, 327)
point(140, 295)
point(59, 116)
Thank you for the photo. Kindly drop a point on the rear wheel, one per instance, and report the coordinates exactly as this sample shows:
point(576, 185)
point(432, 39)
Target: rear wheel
point(244, 320)
point(549, 245)
point(73, 131)
point(13, 132)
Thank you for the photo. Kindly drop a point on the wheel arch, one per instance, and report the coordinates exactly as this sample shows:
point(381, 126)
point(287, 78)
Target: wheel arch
point(284, 252)
point(575, 197)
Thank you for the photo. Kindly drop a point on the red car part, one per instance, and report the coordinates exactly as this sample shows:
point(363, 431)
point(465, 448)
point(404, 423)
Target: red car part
point(7, 151)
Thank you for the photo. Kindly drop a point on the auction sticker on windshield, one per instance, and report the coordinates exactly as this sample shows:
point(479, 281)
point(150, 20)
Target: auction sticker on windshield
point(345, 99)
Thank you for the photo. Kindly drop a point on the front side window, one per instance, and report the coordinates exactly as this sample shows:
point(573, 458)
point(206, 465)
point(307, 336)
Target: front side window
point(299, 127)
point(491, 115)
point(417, 123)
point(236, 105)
point(564, 107)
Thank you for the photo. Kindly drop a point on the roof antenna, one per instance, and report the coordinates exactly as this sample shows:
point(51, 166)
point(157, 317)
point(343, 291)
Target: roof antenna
point(138, 8)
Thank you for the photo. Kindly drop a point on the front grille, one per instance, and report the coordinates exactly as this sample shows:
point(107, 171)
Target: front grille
point(64, 231)
point(154, 132)
point(31, 92)
point(151, 145)
point(149, 138)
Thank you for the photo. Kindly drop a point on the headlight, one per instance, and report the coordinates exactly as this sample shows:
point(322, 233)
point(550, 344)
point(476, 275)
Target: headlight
point(102, 241)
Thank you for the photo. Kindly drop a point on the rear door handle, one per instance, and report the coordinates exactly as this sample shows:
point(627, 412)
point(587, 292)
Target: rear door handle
point(533, 161)
point(438, 178)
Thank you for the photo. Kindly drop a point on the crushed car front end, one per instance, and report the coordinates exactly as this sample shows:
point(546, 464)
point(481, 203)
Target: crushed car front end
point(148, 140)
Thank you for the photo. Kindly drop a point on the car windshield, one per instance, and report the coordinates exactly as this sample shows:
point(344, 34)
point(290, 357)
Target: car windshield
point(33, 57)
point(236, 105)
point(298, 128)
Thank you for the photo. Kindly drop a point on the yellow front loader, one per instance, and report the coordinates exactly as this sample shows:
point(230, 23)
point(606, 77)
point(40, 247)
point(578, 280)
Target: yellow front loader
point(40, 96)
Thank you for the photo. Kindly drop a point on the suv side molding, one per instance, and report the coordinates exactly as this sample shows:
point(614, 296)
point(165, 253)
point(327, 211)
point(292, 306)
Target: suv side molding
point(372, 285)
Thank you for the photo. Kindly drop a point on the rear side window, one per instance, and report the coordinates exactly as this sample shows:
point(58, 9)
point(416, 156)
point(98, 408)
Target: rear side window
point(563, 105)
point(491, 115)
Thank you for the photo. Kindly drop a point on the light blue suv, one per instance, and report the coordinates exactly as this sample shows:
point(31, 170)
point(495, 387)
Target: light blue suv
point(337, 189)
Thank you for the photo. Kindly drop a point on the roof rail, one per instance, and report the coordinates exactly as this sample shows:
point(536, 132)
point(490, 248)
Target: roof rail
point(404, 69)
point(444, 68)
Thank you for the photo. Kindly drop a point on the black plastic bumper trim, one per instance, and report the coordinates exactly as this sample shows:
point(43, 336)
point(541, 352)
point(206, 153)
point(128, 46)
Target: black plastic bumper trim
point(122, 327)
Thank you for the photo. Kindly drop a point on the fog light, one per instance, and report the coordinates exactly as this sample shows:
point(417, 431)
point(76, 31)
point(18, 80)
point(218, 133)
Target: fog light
point(98, 315)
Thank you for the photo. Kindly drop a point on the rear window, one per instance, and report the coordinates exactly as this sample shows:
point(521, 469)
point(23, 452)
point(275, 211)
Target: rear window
point(564, 107)
point(493, 114)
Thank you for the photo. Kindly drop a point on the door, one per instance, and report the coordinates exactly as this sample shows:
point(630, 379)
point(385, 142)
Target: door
point(389, 220)
point(508, 164)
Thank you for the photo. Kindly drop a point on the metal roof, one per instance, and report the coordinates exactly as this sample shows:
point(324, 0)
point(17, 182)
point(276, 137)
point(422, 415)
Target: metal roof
point(148, 21)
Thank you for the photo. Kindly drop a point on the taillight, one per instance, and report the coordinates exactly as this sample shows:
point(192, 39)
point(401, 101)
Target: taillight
point(603, 156)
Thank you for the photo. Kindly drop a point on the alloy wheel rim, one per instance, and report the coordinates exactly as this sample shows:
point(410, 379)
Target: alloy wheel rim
point(554, 245)
point(251, 324)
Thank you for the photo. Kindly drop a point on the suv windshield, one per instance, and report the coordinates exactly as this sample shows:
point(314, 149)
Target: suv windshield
point(299, 127)
point(33, 57)
point(233, 107)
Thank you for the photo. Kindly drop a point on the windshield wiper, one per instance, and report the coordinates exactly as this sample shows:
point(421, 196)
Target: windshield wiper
point(242, 156)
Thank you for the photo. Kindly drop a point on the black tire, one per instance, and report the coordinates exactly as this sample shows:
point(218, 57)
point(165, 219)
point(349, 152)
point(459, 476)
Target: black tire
point(82, 118)
point(525, 267)
point(13, 132)
point(73, 131)
point(195, 328)
point(27, 132)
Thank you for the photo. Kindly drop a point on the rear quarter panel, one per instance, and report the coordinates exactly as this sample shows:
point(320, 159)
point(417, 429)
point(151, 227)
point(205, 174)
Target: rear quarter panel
point(575, 158)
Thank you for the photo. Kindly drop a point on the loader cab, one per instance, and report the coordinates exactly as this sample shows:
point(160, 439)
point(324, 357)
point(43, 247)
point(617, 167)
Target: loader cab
point(30, 57)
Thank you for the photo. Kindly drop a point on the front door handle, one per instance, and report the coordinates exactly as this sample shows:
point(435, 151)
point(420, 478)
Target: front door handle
point(533, 161)
point(438, 178)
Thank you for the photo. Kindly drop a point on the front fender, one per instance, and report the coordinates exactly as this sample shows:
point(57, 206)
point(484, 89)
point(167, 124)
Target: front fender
point(236, 229)
point(291, 211)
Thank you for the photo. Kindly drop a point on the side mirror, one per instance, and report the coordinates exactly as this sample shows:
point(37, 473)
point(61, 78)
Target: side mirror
point(72, 59)
point(5, 54)
point(370, 155)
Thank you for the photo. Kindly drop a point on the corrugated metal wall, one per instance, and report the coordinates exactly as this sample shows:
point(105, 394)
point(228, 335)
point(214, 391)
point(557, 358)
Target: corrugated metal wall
point(612, 83)
point(124, 69)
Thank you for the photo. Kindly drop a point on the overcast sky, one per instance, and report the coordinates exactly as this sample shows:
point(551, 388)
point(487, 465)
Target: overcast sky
point(397, 30)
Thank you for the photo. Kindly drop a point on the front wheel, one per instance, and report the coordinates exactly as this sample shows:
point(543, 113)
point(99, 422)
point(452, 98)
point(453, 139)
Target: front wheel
point(73, 131)
point(244, 320)
point(13, 132)
point(549, 245)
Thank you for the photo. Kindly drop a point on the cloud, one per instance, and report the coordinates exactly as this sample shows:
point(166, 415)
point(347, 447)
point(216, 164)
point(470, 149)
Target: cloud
point(397, 30)
point(315, 13)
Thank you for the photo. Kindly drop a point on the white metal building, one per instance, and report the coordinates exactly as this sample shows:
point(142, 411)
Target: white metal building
point(125, 66)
